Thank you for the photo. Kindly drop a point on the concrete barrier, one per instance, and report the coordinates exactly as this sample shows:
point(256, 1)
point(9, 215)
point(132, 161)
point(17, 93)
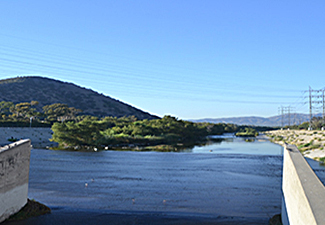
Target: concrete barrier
point(14, 172)
point(303, 193)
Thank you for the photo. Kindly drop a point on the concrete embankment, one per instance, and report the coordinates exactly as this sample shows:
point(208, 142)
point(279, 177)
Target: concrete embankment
point(14, 173)
point(303, 193)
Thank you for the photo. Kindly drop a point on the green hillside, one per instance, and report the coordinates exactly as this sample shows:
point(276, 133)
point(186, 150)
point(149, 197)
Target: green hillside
point(48, 91)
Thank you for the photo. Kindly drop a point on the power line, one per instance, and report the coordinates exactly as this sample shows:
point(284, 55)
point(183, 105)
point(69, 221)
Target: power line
point(128, 59)
point(286, 115)
point(23, 64)
point(316, 98)
point(136, 80)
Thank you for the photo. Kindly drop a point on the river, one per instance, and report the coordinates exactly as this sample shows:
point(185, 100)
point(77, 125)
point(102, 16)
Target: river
point(232, 182)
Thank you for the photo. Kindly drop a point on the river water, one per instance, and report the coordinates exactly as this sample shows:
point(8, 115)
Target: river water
point(232, 182)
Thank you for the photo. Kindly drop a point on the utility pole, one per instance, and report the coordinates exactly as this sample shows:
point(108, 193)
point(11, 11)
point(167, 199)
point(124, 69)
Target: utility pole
point(286, 113)
point(281, 116)
point(310, 106)
point(289, 115)
point(323, 107)
point(280, 110)
point(314, 100)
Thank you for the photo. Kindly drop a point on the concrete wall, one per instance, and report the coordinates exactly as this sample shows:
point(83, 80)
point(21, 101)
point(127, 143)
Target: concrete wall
point(14, 172)
point(303, 193)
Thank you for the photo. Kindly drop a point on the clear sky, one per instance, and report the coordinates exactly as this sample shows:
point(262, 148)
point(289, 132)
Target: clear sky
point(187, 58)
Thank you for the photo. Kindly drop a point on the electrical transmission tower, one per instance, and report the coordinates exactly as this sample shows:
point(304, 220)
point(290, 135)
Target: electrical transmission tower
point(286, 113)
point(316, 98)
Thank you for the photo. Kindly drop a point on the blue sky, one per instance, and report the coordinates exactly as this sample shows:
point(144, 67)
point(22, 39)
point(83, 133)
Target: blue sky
point(186, 58)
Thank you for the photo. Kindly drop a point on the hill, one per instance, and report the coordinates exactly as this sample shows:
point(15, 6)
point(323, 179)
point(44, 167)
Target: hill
point(48, 91)
point(260, 121)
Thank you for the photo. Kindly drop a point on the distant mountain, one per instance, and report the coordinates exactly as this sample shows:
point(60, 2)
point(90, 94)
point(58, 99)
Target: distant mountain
point(48, 91)
point(260, 121)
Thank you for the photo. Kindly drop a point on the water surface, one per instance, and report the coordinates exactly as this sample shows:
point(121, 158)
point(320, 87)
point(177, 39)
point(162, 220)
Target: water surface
point(214, 184)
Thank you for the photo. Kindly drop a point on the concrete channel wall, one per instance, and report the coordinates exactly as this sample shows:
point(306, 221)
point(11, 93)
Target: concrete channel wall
point(14, 172)
point(303, 193)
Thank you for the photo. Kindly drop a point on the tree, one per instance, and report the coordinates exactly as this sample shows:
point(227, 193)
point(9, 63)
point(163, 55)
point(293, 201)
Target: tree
point(87, 131)
point(23, 110)
point(5, 107)
point(60, 112)
point(33, 103)
point(83, 133)
point(317, 122)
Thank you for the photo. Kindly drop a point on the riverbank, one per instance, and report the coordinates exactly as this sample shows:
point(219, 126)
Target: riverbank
point(39, 136)
point(31, 209)
point(310, 143)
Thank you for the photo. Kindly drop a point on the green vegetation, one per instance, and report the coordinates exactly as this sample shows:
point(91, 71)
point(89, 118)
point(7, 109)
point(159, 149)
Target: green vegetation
point(316, 124)
point(308, 146)
point(49, 91)
point(84, 132)
point(322, 160)
point(315, 146)
point(12, 139)
point(25, 114)
point(300, 147)
point(165, 134)
point(247, 132)
point(276, 138)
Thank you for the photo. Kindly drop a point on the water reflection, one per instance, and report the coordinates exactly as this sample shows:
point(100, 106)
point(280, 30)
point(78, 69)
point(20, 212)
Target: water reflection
point(237, 145)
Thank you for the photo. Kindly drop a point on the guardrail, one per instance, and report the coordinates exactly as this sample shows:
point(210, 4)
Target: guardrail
point(303, 193)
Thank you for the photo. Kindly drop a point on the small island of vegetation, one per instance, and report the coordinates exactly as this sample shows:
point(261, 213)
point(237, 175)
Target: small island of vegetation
point(165, 134)
point(247, 132)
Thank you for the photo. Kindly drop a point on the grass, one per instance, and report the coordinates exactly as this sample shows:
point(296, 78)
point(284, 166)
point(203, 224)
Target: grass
point(304, 147)
point(278, 138)
point(315, 146)
point(12, 139)
point(322, 160)
point(162, 148)
point(308, 146)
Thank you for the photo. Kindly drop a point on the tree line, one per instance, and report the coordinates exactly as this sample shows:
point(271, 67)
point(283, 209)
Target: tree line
point(89, 132)
point(316, 123)
point(75, 131)
point(25, 113)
